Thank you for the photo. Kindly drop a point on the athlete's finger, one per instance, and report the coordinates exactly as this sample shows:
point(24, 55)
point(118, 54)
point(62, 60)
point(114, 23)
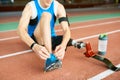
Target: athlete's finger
point(57, 48)
point(42, 55)
point(44, 58)
point(44, 50)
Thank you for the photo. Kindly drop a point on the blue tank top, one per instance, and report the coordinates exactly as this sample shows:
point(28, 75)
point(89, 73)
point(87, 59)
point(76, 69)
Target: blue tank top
point(40, 10)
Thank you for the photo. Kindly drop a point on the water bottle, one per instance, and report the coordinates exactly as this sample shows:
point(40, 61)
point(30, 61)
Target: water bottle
point(102, 44)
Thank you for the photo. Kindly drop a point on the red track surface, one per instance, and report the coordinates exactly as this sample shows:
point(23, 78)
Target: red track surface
point(75, 65)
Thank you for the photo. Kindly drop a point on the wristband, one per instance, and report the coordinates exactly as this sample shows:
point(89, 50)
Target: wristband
point(32, 45)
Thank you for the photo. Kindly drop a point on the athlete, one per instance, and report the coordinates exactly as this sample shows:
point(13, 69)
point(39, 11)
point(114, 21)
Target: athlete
point(36, 28)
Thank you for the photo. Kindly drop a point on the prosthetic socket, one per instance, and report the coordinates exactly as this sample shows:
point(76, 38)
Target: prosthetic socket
point(89, 52)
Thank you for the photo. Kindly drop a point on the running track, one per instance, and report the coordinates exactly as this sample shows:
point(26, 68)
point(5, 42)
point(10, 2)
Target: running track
point(18, 62)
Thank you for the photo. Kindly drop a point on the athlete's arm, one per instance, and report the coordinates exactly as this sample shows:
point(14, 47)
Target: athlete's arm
point(60, 50)
point(23, 33)
point(23, 24)
point(64, 25)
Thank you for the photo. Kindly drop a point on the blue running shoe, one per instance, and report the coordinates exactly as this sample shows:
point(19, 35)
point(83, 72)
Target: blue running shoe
point(52, 63)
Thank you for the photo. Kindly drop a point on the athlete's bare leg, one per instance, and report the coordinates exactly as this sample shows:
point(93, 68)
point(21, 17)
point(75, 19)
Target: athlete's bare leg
point(43, 32)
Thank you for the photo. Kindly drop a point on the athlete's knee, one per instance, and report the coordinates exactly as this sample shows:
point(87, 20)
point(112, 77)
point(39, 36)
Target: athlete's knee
point(46, 15)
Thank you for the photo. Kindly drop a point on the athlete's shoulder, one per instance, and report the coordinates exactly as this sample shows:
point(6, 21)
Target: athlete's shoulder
point(60, 6)
point(31, 3)
point(58, 3)
point(60, 10)
point(33, 9)
point(28, 5)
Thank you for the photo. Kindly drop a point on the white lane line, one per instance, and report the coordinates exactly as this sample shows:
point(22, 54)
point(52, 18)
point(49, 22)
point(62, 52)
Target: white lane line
point(73, 22)
point(78, 27)
point(89, 37)
point(92, 25)
point(7, 31)
point(4, 39)
point(103, 75)
point(15, 54)
point(80, 39)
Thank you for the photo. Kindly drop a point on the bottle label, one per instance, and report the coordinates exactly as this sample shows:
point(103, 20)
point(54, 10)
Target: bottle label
point(102, 46)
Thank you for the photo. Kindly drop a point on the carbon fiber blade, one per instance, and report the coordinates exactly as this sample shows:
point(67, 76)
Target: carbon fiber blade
point(107, 62)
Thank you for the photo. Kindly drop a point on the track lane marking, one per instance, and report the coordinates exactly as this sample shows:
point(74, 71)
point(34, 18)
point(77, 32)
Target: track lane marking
point(78, 27)
point(80, 39)
point(71, 22)
point(15, 54)
point(103, 75)
point(4, 39)
point(97, 77)
point(84, 38)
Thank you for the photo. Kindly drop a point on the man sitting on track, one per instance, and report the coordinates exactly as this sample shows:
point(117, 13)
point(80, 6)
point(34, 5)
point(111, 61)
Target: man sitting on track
point(36, 28)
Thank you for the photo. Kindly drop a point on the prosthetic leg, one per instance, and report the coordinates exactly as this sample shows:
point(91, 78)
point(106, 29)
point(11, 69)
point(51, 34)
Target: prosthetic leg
point(89, 53)
point(53, 63)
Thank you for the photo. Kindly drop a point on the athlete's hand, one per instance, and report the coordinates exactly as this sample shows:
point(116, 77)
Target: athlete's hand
point(41, 51)
point(60, 52)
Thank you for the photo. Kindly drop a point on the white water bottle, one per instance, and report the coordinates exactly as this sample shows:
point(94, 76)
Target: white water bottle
point(102, 44)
